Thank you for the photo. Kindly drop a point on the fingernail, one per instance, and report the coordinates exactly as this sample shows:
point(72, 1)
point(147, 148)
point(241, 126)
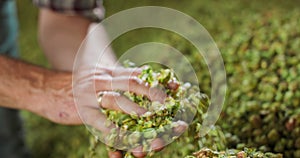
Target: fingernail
point(179, 127)
point(157, 144)
point(138, 152)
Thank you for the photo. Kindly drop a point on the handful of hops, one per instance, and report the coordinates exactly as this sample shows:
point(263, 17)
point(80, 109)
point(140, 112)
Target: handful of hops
point(232, 153)
point(162, 120)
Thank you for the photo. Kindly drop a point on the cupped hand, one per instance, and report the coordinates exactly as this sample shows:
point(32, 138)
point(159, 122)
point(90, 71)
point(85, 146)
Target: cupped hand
point(86, 86)
point(109, 82)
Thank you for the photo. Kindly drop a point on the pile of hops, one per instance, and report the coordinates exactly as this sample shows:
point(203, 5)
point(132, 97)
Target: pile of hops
point(232, 153)
point(262, 61)
point(263, 67)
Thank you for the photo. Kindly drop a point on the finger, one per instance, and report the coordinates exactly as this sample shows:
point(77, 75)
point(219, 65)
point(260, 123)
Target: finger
point(132, 84)
point(109, 133)
point(173, 85)
point(87, 73)
point(179, 127)
point(96, 119)
point(138, 152)
point(119, 71)
point(115, 154)
point(156, 145)
point(116, 101)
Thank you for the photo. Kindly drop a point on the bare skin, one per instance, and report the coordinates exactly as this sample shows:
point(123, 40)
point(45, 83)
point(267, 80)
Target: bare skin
point(41, 91)
point(60, 37)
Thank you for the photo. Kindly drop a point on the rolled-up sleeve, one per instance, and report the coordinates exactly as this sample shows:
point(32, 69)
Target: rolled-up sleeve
point(91, 9)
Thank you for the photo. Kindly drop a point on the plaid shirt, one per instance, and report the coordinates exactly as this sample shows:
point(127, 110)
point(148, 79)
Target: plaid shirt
point(91, 9)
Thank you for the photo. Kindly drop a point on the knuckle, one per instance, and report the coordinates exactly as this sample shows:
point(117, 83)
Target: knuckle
point(134, 80)
point(109, 99)
point(155, 92)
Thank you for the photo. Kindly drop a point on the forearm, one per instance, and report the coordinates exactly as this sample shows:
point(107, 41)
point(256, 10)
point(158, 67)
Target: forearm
point(25, 86)
point(19, 80)
point(60, 37)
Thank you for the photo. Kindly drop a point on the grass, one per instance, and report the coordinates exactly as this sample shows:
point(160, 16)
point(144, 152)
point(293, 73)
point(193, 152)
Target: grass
point(220, 18)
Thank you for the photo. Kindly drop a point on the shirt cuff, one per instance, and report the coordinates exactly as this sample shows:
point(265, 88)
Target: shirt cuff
point(90, 9)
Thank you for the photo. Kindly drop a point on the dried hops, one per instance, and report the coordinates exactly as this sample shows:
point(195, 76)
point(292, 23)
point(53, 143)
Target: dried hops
point(263, 111)
point(262, 61)
point(232, 153)
point(162, 120)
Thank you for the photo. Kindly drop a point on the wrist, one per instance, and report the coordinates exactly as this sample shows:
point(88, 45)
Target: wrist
point(60, 106)
point(55, 90)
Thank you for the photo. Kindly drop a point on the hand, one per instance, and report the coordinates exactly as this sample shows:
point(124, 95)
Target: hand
point(107, 81)
point(56, 103)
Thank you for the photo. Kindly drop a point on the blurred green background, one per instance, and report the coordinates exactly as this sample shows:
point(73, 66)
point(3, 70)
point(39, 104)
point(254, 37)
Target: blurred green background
point(231, 23)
